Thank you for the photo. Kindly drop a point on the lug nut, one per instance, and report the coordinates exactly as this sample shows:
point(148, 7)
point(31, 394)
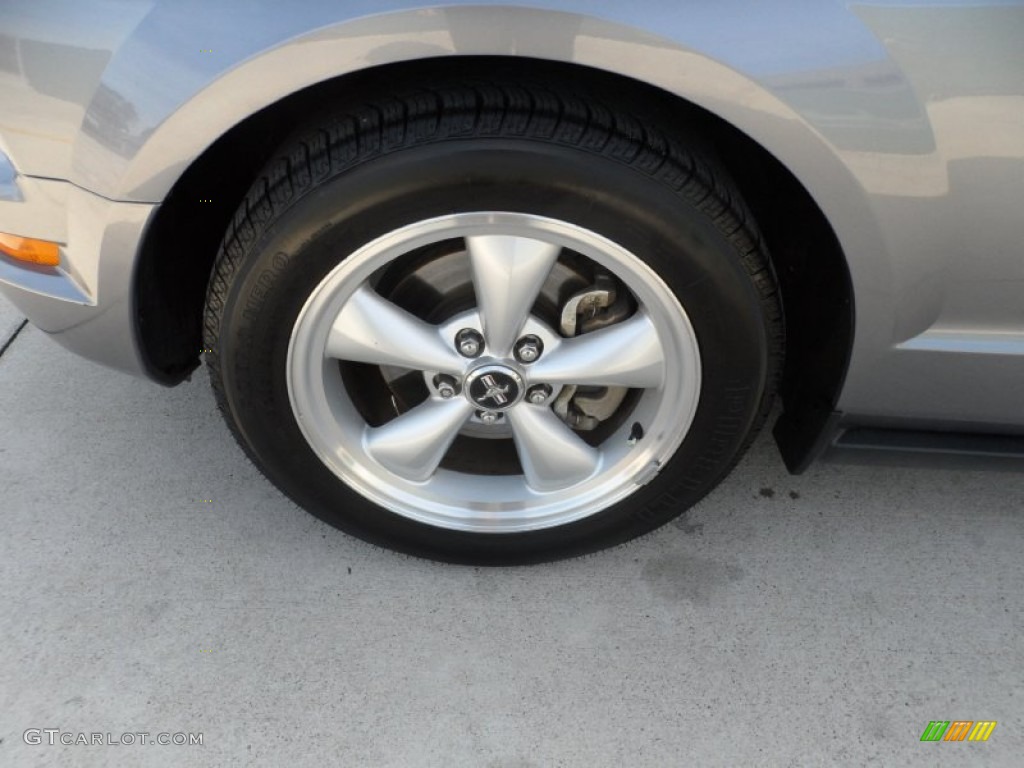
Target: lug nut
point(538, 394)
point(447, 387)
point(528, 349)
point(488, 417)
point(469, 342)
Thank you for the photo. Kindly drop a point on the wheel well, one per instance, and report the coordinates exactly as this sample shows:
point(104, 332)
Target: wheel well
point(182, 240)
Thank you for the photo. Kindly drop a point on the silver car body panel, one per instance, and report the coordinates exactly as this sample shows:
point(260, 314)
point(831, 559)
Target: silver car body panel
point(85, 304)
point(903, 120)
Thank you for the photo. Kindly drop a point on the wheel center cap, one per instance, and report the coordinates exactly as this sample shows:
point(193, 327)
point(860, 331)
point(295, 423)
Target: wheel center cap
point(494, 387)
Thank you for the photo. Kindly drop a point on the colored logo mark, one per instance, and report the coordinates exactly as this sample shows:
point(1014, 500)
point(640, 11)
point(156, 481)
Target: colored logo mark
point(958, 730)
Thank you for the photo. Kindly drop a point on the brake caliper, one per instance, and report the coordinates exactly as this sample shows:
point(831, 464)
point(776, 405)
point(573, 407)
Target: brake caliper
point(600, 305)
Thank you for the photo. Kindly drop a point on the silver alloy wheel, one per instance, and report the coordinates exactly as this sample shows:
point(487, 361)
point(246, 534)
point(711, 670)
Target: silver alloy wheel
point(398, 464)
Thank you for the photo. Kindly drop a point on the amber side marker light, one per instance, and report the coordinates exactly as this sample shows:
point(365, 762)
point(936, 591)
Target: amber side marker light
point(31, 250)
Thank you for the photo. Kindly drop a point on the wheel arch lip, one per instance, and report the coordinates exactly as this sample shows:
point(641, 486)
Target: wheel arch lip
point(173, 129)
point(208, 94)
point(704, 73)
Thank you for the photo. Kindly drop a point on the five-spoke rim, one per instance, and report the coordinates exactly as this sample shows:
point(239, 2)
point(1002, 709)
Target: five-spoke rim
point(495, 364)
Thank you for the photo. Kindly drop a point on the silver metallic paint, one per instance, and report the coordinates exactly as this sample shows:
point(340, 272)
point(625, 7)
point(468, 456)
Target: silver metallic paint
point(904, 121)
point(9, 189)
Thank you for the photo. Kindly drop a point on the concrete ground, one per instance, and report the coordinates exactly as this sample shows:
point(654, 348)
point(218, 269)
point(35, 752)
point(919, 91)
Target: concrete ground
point(152, 581)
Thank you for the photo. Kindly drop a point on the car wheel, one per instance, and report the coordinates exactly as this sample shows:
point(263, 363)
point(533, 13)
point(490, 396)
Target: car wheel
point(493, 324)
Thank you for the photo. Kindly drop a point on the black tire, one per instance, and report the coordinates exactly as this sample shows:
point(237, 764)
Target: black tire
point(373, 167)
